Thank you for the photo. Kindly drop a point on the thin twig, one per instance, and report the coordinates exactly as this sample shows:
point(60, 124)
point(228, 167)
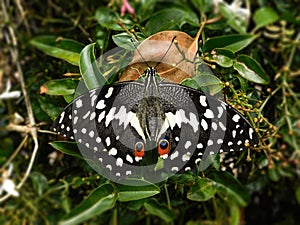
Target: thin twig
point(11, 41)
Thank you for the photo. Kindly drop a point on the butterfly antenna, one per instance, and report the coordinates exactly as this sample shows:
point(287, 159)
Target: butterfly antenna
point(166, 52)
point(140, 53)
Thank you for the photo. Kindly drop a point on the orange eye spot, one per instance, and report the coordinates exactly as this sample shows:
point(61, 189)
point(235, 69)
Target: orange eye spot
point(163, 147)
point(139, 150)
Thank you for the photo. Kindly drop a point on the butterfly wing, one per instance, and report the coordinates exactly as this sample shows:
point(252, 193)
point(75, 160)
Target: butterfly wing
point(104, 123)
point(210, 126)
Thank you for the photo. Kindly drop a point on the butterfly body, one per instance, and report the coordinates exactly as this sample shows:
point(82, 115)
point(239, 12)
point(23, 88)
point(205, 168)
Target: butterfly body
point(123, 125)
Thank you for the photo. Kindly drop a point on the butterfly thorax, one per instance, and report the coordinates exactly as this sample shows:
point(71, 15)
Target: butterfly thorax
point(150, 109)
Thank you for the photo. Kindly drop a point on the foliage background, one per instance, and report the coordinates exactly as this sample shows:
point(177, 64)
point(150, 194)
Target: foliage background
point(265, 191)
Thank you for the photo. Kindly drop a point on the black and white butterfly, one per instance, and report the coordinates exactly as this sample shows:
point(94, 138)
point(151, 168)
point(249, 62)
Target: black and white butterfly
point(128, 128)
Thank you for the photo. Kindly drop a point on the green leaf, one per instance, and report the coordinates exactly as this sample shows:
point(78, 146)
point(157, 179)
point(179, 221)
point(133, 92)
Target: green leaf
point(99, 200)
point(156, 209)
point(234, 42)
point(230, 188)
point(298, 194)
point(234, 214)
point(39, 182)
point(69, 148)
point(108, 18)
point(131, 193)
point(233, 19)
point(89, 68)
point(224, 57)
point(251, 70)
point(168, 19)
point(144, 9)
point(209, 83)
point(203, 190)
point(264, 16)
point(59, 47)
point(60, 87)
point(123, 40)
point(49, 106)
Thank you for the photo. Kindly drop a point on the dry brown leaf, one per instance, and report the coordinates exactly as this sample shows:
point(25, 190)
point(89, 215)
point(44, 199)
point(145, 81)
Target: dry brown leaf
point(175, 66)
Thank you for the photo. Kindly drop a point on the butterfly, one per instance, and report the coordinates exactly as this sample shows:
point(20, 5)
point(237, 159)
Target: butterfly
point(130, 128)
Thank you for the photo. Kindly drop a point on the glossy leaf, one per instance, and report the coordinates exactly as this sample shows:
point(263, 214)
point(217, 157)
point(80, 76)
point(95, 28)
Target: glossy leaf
point(209, 83)
point(230, 188)
point(156, 209)
point(123, 40)
point(89, 68)
point(62, 48)
point(265, 16)
point(108, 18)
point(99, 200)
point(69, 148)
point(233, 18)
point(168, 19)
point(59, 87)
point(224, 57)
point(203, 190)
point(39, 182)
point(50, 107)
point(251, 70)
point(132, 193)
point(233, 42)
point(144, 9)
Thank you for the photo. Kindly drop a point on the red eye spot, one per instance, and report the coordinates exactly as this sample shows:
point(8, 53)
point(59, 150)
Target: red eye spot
point(163, 147)
point(139, 149)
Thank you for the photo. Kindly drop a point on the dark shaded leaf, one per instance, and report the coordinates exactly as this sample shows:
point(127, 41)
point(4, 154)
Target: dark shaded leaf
point(250, 70)
point(233, 42)
point(39, 182)
point(108, 18)
point(230, 188)
point(89, 68)
point(132, 193)
point(168, 19)
point(156, 209)
point(203, 190)
point(99, 200)
point(69, 148)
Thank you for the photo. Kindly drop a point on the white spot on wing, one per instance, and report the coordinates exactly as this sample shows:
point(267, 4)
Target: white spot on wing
point(174, 155)
point(119, 162)
point(210, 142)
point(100, 104)
point(112, 151)
point(78, 103)
point(101, 116)
point(251, 131)
point(93, 115)
point(200, 145)
point(174, 168)
point(129, 158)
point(61, 117)
point(109, 92)
point(236, 118)
point(91, 133)
point(186, 157)
point(107, 140)
point(110, 116)
point(222, 126)
point(98, 139)
point(209, 114)
point(203, 100)
point(204, 124)
point(187, 144)
point(86, 115)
